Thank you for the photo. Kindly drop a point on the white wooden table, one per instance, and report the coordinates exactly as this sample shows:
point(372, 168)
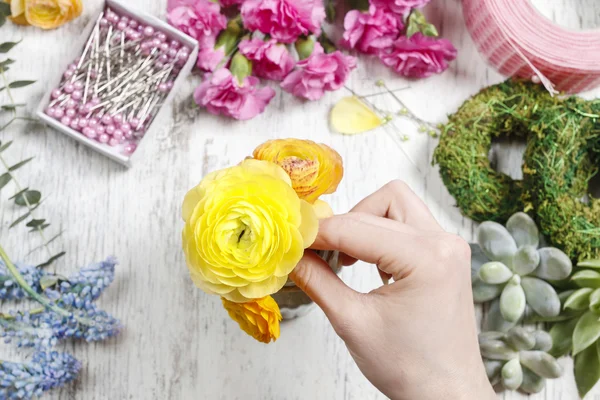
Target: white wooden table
point(178, 342)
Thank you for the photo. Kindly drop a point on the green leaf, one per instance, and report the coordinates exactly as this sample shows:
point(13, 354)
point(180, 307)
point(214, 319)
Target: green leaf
point(4, 179)
point(47, 281)
point(19, 84)
point(587, 278)
point(580, 300)
point(18, 193)
point(587, 331)
point(590, 263)
point(417, 22)
point(34, 223)
point(5, 146)
point(51, 260)
point(40, 227)
point(429, 30)
point(11, 107)
point(30, 197)
point(5, 9)
point(587, 369)
point(20, 164)
point(24, 216)
point(6, 62)
point(6, 46)
point(562, 337)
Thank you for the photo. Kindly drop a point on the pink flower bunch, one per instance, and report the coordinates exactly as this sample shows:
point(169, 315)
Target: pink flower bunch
point(396, 32)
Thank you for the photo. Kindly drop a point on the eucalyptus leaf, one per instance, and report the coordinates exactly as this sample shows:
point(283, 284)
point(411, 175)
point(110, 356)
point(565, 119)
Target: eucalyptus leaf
point(587, 278)
point(5, 146)
point(562, 337)
point(4, 179)
point(532, 383)
point(541, 297)
point(512, 302)
point(543, 341)
point(541, 363)
point(580, 300)
point(494, 273)
point(589, 263)
point(29, 197)
point(18, 193)
point(497, 350)
point(525, 260)
point(19, 84)
point(496, 242)
point(520, 338)
point(20, 164)
point(483, 292)
point(6, 46)
point(587, 369)
point(35, 223)
point(512, 374)
point(47, 281)
point(554, 264)
point(51, 260)
point(523, 229)
point(587, 331)
point(495, 321)
point(12, 107)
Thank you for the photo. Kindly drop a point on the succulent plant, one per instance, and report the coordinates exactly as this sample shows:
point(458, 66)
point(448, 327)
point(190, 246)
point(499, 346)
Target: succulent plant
point(508, 264)
point(519, 359)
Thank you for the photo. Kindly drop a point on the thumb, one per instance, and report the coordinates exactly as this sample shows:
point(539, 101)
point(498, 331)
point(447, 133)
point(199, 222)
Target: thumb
point(314, 276)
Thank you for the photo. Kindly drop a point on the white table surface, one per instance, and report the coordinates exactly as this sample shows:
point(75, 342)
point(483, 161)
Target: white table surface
point(178, 342)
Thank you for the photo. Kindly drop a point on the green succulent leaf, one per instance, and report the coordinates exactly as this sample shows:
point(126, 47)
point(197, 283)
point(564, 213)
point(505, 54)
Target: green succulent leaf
point(6, 46)
point(520, 338)
point(495, 321)
point(496, 242)
point(492, 369)
point(524, 230)
point(587, 369)
point(543, 341)
point(28, 197)
point(4, 179)
point(483, 292)
point(494, 273)
point(512, 374)
point(541, 363)
point(589, 263)
point(532, 383)
point(497, 350)
point(512, 302)
point(587, 278)
point(525, 260)
point(541, 297)
point(554, 264)
point(580, 300)
point(19, 84)
point(562, 337)
point(587, 331)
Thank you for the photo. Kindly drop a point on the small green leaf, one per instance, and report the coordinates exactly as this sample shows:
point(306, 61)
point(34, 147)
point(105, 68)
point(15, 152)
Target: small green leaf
point(587, 278)
point(20, 164)
point(24, 216)
point(40, 227)
point(6, 62)
point(587, 369)
point(30, 197)
point(4, 179)
point(19, 84)
point(47, 281)
point(51, 260)
point(5, 146)
point(429, 30)
point(590, 263)
point(562, 337)
point(587, 331)
point(18, 193)
point(11, 107)
point(580, 300)
point(35, 223)
point(6, 46)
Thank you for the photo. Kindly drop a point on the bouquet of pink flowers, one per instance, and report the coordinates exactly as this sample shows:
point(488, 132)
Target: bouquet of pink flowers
point(282, 40)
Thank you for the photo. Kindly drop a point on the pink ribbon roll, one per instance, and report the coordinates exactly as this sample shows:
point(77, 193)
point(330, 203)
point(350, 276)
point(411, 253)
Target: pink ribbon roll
point(518, 41)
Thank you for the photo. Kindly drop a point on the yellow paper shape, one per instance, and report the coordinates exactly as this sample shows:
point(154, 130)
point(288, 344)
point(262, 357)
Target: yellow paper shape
point(351, 116)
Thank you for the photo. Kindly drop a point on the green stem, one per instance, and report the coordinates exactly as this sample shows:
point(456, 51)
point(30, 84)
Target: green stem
point(28, 289)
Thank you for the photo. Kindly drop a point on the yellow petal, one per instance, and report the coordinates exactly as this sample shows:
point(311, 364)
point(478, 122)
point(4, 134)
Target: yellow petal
point(351, 116)
point(310, 224)
point(322, 209)
point(17, 7)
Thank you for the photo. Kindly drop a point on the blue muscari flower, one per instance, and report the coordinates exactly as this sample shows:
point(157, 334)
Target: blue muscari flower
point(9, 290)
point(45, 371)
point(90, 281)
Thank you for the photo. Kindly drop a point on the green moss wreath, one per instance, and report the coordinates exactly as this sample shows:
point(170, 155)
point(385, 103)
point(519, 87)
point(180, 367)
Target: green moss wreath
point(563, 153)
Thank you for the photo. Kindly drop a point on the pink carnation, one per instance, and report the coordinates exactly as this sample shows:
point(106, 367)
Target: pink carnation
point(419, 56)
point(200, 19)
point(401, 7)
point(283, 20)
point(269, 59)
point(370, 32)
point(222, 94)
point(318, 73)
point(209, 58)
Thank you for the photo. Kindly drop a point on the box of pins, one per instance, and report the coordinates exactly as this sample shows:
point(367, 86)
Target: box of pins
point(127, 67)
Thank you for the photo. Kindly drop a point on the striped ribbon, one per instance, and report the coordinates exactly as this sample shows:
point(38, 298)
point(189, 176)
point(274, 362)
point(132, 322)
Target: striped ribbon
point(519, 41)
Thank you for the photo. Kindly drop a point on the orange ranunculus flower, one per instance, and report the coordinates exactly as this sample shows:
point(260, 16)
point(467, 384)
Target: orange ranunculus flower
point(258, 318)
point(49, 14)
point(314, 168)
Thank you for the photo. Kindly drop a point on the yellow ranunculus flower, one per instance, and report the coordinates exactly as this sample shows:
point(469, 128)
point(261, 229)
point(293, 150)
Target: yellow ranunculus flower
point(314, 168)
point(245, 230)
point(49, 14)
point(258, 318)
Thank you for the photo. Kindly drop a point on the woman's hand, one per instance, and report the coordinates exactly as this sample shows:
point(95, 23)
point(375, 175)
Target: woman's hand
point(416, 338)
